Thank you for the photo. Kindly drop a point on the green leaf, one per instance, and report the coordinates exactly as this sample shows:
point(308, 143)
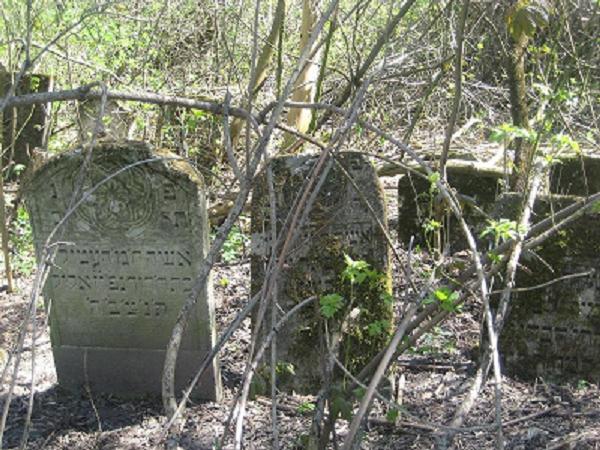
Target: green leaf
point(501, 230)
point(378, 327)
point(359, 392)
point(285, 367)
point(306, 407)
point(387, 298)
point(357, 271)
point(392, 415)
point(447, 298)
point(561, 141)
point(330, 304)
point(526, 17)
point(495, 258)
point(18, 168)
point(342, 406)
point(431, 225)
point(234, 245)
point(434, 177)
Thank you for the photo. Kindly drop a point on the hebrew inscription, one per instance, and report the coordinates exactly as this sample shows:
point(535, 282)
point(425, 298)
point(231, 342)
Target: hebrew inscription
point(554, 332)
point(339, 223)
point(131, 253)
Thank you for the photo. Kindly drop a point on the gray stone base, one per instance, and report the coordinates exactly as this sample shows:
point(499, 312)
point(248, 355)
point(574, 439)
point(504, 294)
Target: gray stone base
point(129, 372)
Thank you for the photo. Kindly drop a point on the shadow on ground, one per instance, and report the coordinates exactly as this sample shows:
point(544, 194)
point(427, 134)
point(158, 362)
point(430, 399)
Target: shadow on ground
point(57, 412)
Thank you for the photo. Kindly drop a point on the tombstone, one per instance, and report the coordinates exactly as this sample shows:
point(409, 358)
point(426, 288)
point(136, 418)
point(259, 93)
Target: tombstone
point(134, 248)
point(576, 175)
point(554, 332)
point(26, 125)
point(116, 123)
point(417, 203)
point(339, 223)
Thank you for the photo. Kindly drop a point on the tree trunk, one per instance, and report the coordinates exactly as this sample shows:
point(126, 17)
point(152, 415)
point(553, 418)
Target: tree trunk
point(306, 84)
point(263, 66)
point(517, 86)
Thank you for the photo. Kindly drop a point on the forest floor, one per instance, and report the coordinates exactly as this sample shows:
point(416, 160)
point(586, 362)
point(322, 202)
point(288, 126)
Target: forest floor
point(435, 377)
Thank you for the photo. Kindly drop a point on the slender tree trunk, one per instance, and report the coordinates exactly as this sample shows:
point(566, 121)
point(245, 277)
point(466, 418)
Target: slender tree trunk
point(306, 84)
point(3, 224)
point(458, 56)
point(263, 65)
point(519, 110)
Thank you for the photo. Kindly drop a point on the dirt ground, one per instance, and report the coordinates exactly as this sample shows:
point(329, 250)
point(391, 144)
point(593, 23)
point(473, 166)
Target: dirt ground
point(435, 377)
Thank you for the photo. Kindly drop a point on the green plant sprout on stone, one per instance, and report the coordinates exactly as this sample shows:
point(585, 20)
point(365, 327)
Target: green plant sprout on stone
point(356, 272)
point(331, 304)
point(377, 327)
point(501, 230)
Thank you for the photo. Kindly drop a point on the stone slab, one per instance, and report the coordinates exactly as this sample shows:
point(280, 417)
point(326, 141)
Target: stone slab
point(133, 249)
point(576, 175)
point(138, 373)
point(554, 332)
point(339, 223)
point(416, 204)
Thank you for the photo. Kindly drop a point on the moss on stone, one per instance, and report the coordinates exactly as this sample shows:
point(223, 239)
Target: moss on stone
point(316, 262)
point(551, 331)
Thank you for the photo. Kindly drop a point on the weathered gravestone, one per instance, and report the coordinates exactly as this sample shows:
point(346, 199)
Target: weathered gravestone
point(25, 127)
point(115, 124)
point(554, 331)
point(576, 175)
point(418, 203)
point(339, 224)
point(135, 246)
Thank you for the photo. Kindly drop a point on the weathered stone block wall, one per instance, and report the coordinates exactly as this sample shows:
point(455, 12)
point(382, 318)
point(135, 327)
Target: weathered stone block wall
point(135, 246)
point(576, 175)
point(417, 204)
point(339, 223)
point(554, 332)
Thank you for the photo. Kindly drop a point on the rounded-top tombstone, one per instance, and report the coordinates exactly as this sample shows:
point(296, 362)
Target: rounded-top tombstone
point(127, 259)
